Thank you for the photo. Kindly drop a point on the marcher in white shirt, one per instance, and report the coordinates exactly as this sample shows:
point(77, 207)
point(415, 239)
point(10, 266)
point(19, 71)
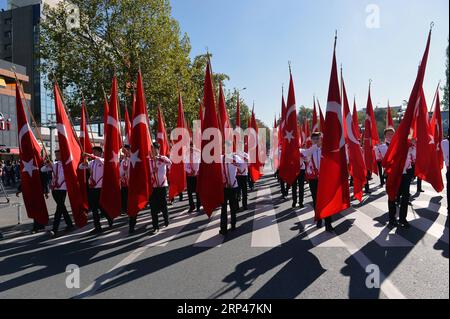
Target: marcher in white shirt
point(95, 167)
point(124, 170)
point(231, 163)
point(298, 188)
point(192, 165)
point(158, 178)
point(242, 179)
point(59, 193)
point(313, 156)
point(381, 150)
point(403, 194)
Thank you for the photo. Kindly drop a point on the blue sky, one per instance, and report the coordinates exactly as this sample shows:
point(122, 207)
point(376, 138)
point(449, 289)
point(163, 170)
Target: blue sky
point(253, 40)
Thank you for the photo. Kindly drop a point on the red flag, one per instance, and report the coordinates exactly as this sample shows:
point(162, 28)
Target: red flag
point(30, 162)
point(127, 127)
point(70, 158)
point(210, 181)
point(290, 157)
point(223, 115)
point(161, 138)
point(177, 173)
point(84, 133)
point(139, 189)
point(389, 120)
point(255, 165)
point(356, 164)
point(333, 195)
point(315, 124)
point(394, 161)
point(427, 166)
point(87, 148)
point(110, 198)
point(370, 137)
point(437, 130)
point(322, 119)
point(355, 121)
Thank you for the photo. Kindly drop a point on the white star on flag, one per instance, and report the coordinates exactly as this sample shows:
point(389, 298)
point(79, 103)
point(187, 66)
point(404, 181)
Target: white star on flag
point(134, 158)
point(29, 167)
point(289, 136)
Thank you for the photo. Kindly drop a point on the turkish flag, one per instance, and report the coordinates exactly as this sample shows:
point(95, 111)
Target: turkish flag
point(333, 195)
point(322, 119)
point(356, 164)
point(70, 157)
point(356, 121)
point(254, 156)
point(110, 198)
point(210, 184)
point(139, 189)
point(282, 122)
point(389, 120)
point(437, 130)
point(224, 120)
point(127, 127)
point(290, 157)
point(394, 161)
point(177, 173)
point(30, 162)
point(427, 165)
point(315, 124)
point(370, 137)
point(161, 137)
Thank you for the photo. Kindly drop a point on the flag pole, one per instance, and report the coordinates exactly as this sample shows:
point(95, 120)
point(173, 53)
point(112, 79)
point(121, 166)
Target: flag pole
point(22, 92)
point(435, 96)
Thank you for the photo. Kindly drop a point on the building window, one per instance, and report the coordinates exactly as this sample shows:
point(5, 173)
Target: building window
point(8, 34)
point(8, 46)
point(8, 21)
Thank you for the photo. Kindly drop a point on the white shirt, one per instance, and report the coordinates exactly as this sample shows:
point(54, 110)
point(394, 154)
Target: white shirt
point(313, 156)
point(58, 180)
point(95, 167)
point(410, 159)
point(302, 160)
point(380, 151)
point(158, 171)
point(243, 168)
point(124, 171)
point(192, 162)
point(444, 146)
point(230, 167)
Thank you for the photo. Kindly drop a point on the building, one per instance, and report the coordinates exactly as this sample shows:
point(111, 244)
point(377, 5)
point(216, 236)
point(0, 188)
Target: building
point(19, 43)
point(8, 114)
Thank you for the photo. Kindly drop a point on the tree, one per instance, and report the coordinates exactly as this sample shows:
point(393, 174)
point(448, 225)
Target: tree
point(118, 37)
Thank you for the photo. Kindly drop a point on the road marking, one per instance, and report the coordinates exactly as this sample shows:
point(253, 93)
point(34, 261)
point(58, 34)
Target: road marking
point(265, 227)
point(210, 237)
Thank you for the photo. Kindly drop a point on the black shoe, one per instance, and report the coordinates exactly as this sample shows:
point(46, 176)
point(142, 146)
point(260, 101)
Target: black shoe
point(191, 210)
point(131, 230)
point(233, 227)
point(294, 205)
point(329, 229)
point(319, 224)
point(53, 233)
point(166, 224)
point(301, 206)
point(110, 223)
point(420, 191)
point(223, 232)
point(393, 224)
point(404, 224)
point(155, 231)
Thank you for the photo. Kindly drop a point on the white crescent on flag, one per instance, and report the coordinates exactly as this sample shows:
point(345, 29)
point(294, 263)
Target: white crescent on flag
point(25, 129)
point(62, 130)
point(335, 107)
point(140, 119)
point(290, 111)
point(350, 134)
point(113, 122)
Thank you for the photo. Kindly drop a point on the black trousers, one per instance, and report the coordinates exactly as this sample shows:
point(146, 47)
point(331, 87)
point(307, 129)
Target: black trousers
point(124, 199)
point(380, 172)
point(299, 185)
point(251, 183)
point(94, 205)
point(191, 182)
point(230, 198)
point(158, 204)
point(313, 184)
point(403, 196)
point(243, 191)
point(61, 211)
point(368, 178)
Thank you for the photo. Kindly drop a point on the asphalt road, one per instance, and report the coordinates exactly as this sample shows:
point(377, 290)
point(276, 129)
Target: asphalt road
point(275, 252)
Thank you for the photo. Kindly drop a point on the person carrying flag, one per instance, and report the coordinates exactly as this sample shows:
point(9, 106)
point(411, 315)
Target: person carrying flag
point(299, 185)
point(125, 176)
point(313, 156)
point(242, 176)
point(59, 193)
point(381, 150)
point(158, 177)
point(192, 164)
point(95, 167)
